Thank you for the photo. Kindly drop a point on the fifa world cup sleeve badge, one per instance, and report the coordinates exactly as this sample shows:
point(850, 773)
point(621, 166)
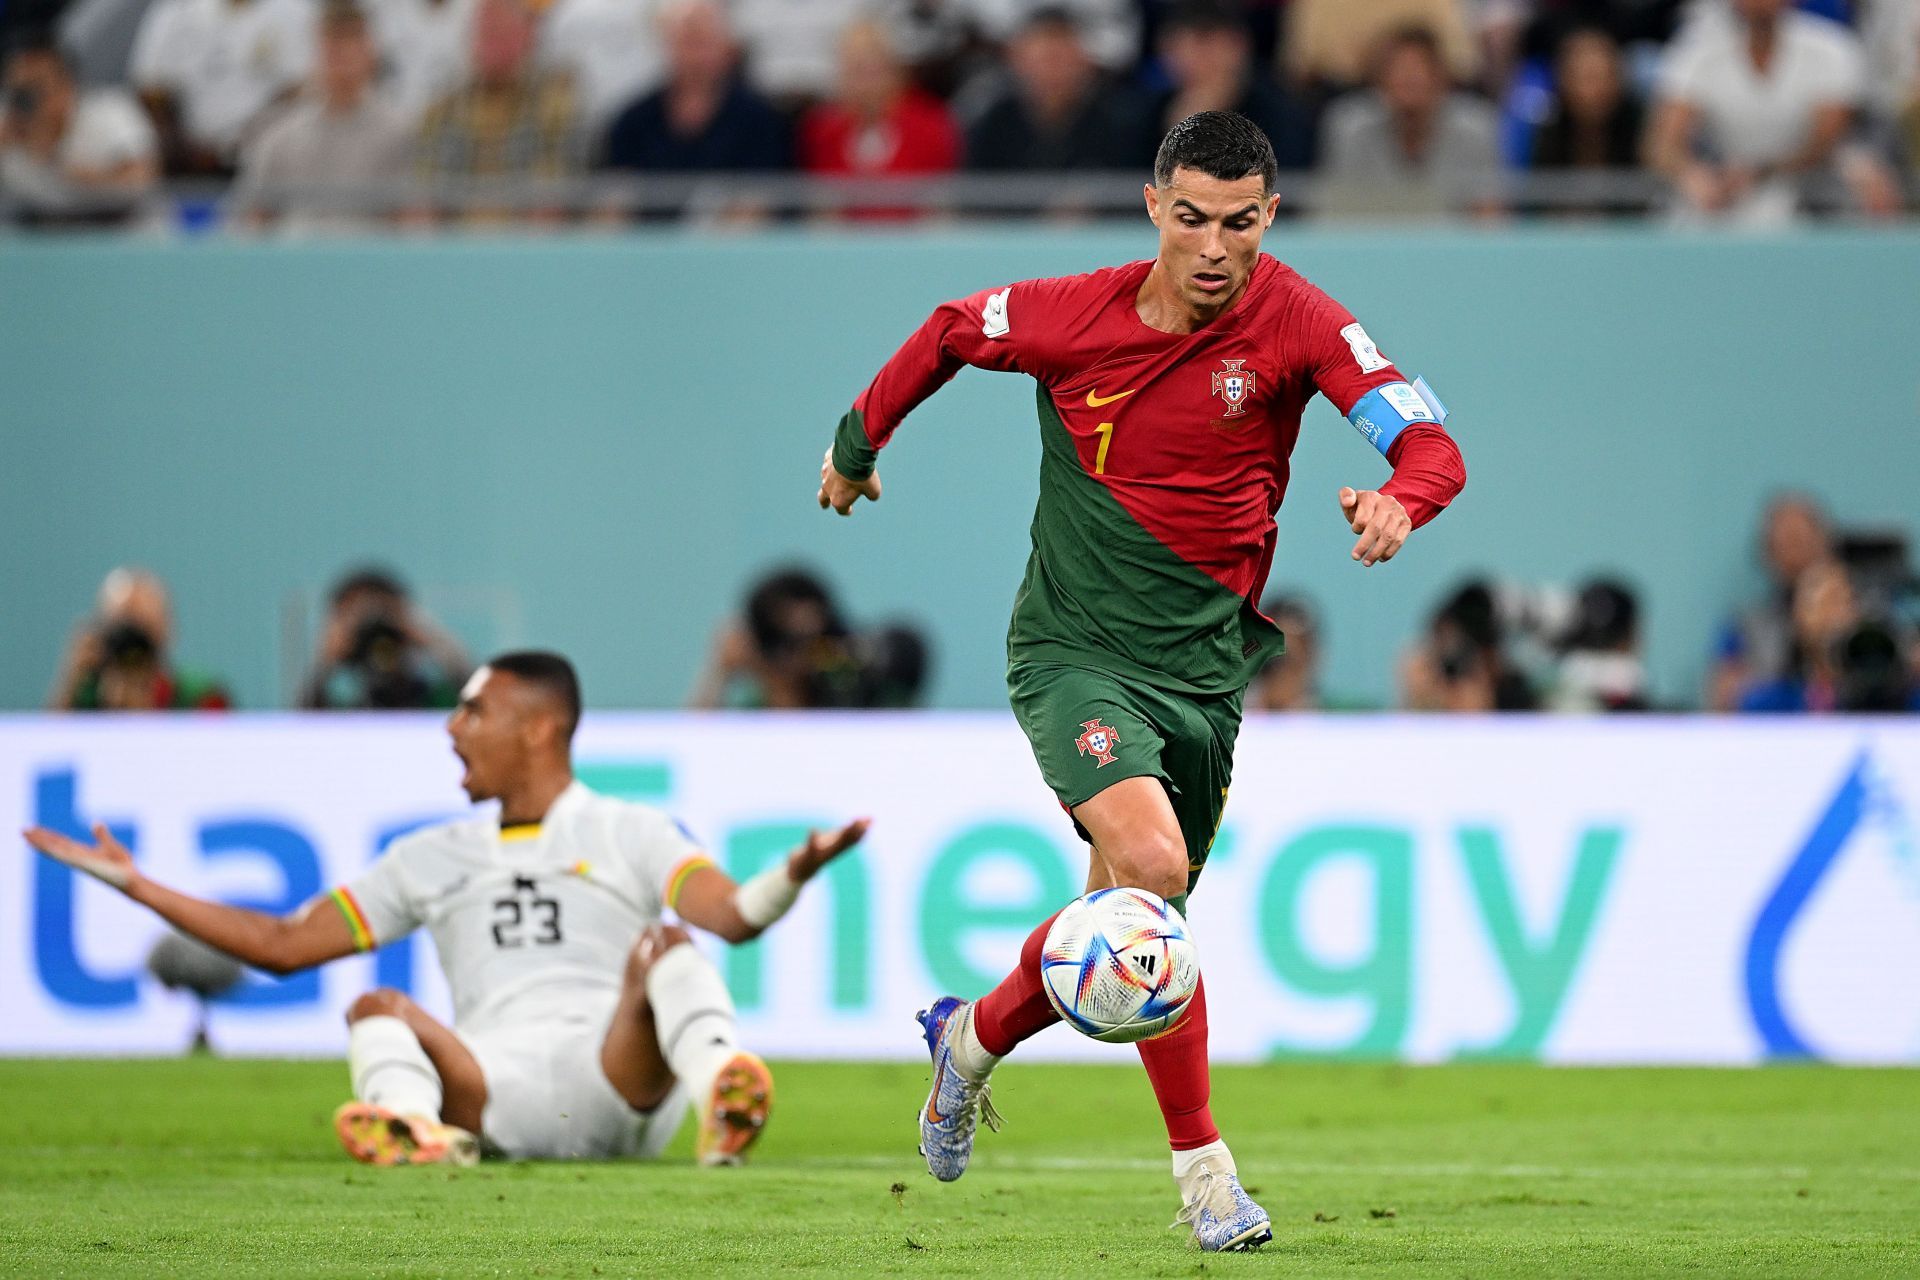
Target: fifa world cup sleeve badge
point(1098, 741)
point(1234, 385)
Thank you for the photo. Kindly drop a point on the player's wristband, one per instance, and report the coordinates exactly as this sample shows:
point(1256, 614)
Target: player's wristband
point(766, 897)
point(1384, 412)
point(853, 454)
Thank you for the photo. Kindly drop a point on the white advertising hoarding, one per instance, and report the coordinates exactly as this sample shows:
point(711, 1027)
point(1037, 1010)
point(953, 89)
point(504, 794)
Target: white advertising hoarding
point(1570, 890)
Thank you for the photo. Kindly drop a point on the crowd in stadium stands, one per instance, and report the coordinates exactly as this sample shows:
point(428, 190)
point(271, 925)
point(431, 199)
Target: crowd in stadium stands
point(1730, 109)
point(1837, 629)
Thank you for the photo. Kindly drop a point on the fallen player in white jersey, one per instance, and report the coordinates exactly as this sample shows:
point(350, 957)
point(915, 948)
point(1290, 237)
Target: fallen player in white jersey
point(583, 1025)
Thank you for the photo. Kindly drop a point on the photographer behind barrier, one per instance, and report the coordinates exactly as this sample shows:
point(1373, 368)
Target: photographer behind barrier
point(791, 648)
point(68, 156)
point(119, 658)
point(381, 652)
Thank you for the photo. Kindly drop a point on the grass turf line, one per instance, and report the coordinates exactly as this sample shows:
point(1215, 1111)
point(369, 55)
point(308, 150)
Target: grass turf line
point(207, 1166)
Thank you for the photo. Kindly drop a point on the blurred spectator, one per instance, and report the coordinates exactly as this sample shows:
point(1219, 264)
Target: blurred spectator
point(1411, 144)
point(1594, 122)
point(1600, 666)
point(510, 120)
point(1890, 32)
point(704, 117)
point(1757, 646)
point(342, 130)
point(66, 155)
point(98, 38)
point(878, 125)
point(611, 49)
point(1840, 659)
point(941, 40)
point(1291, 682)
point(381, 651)
point(208, 70)
point(425, 50)
point(1059, 113)
point(1207, 50)
point(120, 658)
point(791, 647)
point(1109, 29)
point(1753, 99)
point(1332, 44)
point(790, 45)
point(1462, 663)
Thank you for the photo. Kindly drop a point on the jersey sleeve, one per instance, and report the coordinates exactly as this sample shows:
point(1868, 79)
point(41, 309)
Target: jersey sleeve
point(661, 850)
point(381, 906)
point(993, 329)
point(1346, 365)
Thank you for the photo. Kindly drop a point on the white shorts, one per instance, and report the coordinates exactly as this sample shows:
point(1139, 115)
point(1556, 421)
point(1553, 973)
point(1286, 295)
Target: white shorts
point(548, 1099)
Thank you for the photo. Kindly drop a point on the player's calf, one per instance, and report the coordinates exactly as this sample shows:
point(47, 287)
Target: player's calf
point(395, 1117)
point(694, 1040)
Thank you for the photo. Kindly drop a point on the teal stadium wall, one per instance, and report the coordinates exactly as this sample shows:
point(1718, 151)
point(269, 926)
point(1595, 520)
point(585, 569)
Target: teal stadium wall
point(620, 430)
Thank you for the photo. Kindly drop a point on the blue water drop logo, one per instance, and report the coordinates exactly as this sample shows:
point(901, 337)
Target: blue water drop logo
point(1864, 800)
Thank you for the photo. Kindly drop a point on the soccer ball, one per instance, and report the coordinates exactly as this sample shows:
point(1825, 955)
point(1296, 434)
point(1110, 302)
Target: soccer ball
point(1119, 966)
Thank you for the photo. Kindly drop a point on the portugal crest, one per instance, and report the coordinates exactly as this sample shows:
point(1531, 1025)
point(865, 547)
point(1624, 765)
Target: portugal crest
point(1234, 385)
point(1098, 740)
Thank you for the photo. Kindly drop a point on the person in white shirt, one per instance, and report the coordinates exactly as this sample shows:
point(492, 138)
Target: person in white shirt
point(423, 48)
point(582, 1023)
point(68, 154)
point(208, 70)
point(1752, 99)
point(343, 132)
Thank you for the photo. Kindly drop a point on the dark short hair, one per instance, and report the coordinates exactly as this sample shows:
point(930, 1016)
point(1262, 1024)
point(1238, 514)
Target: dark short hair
point(38, 42)
point(1221, 144)
point(370, 578)
point(551, 672)
point(342, 15)
point(769, 598)
point(1206, 15)
point(1051, 17)
point(1412, 36)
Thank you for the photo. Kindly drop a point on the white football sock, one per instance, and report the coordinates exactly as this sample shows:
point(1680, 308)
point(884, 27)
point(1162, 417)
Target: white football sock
point(970, 1057)
point(693, 1016)
point(390, 1069)
point(1187, 1163)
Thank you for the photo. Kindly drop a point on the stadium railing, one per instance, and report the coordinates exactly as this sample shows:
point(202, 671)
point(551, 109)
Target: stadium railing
point(706, 197)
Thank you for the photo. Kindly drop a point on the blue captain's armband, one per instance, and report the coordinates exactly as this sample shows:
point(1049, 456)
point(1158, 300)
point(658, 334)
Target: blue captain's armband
point(1384, 412)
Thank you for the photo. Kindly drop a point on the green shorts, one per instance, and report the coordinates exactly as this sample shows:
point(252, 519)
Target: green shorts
point(1090, 729)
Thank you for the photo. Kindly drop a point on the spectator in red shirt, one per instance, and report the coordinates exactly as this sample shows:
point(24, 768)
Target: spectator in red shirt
point(878, 125)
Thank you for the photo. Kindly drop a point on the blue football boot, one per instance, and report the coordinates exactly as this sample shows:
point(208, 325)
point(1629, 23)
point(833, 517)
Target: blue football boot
point(1223, 1216)
point(955, 1103)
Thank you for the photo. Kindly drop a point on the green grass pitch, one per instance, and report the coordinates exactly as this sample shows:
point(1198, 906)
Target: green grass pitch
point(207, 1166)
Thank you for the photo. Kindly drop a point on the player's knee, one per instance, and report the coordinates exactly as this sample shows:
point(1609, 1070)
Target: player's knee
point(381, 1001)
point(655, 941)
point(1155, 861)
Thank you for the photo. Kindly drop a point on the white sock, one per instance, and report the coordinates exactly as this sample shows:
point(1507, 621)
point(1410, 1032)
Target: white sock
point(1187, 1163)
point(390, 1069)
point(970, 1057)
point(693, 1016)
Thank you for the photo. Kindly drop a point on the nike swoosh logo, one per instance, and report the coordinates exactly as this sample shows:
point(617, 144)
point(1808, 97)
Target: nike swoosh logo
point(1095, 400)
point(933, 1116)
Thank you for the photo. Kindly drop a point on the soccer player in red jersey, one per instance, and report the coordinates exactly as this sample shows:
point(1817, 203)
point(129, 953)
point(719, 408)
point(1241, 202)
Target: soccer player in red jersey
point(1169, 396)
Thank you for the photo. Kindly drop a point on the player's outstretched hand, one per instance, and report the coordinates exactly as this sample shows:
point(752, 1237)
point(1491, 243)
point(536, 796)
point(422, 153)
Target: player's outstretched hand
point(108, 861)
point(1379, 519)
point(823, 847)
point(840, 493)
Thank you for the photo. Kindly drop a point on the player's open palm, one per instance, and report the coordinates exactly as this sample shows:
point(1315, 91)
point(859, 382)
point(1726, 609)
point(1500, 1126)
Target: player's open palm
point(108, 860)
point(1379, 519)
point(822, 847)
point(840, 493)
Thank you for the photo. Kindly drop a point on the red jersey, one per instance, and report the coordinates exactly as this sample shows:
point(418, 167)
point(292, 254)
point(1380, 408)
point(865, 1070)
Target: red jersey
point(1165, 457)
